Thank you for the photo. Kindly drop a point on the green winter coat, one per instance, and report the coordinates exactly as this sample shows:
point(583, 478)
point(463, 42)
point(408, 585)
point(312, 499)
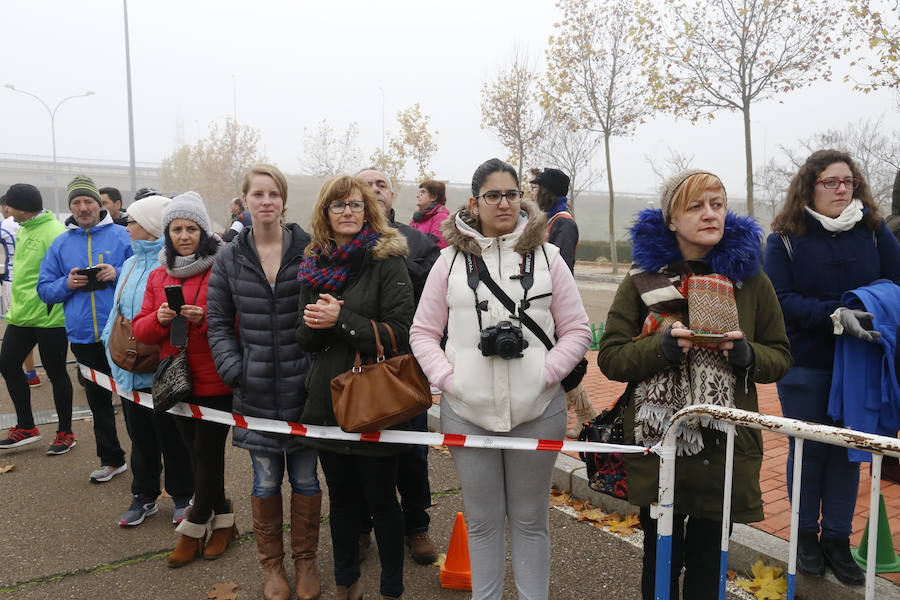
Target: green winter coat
point(700, 478)
point(32, 241)
point(379, 289)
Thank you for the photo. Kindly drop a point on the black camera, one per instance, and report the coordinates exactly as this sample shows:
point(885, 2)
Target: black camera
point(504, 339)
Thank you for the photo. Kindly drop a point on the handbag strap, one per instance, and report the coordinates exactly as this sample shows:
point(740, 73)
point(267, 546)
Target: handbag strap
point(379, 349)
point(393, 339)
point(121, 289)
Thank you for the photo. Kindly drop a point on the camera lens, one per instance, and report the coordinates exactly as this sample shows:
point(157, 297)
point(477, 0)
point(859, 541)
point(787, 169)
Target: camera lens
point(507, 344)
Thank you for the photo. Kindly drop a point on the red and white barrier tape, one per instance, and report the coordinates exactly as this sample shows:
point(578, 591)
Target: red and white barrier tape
point(388, 436)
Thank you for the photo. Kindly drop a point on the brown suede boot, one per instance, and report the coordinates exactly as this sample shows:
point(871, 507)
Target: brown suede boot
point(354, 592)
point(267, 519)
point(305, 514)
point(190, 544)
point(223, 532)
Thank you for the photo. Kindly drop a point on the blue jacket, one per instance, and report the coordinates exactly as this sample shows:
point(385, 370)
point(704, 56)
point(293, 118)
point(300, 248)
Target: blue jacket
point(145, 259)
point(86, 312)
point(824, 266)
point(865, 394)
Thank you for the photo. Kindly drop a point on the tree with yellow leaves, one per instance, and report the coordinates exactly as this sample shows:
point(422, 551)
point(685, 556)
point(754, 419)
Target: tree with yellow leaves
point(594, 77)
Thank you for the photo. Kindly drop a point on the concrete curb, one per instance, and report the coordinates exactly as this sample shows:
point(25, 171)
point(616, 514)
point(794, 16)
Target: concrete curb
point(746, 547)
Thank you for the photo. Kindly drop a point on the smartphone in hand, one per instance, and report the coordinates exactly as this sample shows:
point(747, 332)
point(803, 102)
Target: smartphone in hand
point(708, 338)
point(175, 297)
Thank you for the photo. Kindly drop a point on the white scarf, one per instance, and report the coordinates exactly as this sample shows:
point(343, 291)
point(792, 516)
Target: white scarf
point(845, 221)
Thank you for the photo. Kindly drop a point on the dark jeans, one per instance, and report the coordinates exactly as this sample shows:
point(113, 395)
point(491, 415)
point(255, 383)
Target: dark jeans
point(696, 546)
point(829, 480)
point(412, 483)
point(154, 436)
point(53, 345)
point(205, 442)
point(100, 402)
point(351, 478)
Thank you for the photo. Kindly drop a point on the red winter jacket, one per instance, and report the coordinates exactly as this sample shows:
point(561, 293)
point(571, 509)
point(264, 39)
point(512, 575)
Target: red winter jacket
point(148, 330)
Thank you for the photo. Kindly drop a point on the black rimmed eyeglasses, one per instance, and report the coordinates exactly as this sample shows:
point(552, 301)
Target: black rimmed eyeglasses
point(493, 197)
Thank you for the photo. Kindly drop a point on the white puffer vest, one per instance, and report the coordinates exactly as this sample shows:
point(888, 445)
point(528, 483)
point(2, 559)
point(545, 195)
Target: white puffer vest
point(492, 392)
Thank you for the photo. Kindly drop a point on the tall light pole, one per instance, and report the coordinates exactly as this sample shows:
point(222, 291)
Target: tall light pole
point(131, 164)
point(52, 113)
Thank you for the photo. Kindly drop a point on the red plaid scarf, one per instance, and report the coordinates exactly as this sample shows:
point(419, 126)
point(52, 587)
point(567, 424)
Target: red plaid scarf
point(328, 273)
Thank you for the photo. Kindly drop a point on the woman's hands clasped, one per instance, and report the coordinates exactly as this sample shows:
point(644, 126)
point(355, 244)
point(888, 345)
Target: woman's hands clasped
point(324, 313)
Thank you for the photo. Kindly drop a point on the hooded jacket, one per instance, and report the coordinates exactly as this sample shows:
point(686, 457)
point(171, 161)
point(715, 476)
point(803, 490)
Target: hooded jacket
point(27, 309)
point(491, 392)
point(252, 337)
point(79, 247)
point(699, 479)
point(131, 284)
point(378, 288)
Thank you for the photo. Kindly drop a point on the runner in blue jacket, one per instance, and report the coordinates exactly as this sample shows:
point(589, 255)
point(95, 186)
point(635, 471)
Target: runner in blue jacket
point(91, 240)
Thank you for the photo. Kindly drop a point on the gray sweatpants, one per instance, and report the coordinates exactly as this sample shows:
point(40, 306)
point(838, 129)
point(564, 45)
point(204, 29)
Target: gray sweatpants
point(513, 485)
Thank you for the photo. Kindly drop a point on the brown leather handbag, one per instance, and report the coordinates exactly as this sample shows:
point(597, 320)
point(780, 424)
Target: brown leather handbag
point(126, 351)
point(370, 397)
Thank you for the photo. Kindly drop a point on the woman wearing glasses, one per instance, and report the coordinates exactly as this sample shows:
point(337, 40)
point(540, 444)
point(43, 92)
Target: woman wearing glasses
point(354, 270)
point(829, 238)
point(498, 377)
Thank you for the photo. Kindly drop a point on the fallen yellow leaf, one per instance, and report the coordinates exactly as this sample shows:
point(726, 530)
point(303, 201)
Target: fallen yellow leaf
point(440, 560)
point(625, 526)
point(767, 584)
point(7, 469)
point(594, 514)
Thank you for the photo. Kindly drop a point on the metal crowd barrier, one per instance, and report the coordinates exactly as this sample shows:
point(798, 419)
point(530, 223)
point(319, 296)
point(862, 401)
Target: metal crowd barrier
point(878, 445)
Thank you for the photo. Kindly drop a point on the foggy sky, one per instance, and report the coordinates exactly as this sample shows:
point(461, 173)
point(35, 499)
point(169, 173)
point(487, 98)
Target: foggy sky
point(294, 63)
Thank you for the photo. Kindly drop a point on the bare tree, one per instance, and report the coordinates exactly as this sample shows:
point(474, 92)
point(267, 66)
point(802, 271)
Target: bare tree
point(510, 108)
point(327, 154)
point(674, 162)
point(567, 147)
point(772, 179)
point(711, 55)
point(594, 76)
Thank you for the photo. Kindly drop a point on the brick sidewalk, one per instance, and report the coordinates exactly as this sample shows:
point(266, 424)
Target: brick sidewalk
point(776, 507)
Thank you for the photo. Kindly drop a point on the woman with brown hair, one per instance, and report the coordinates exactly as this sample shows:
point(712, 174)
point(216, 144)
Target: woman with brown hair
point(828, 239)
point(431, 210)
point(354, 271)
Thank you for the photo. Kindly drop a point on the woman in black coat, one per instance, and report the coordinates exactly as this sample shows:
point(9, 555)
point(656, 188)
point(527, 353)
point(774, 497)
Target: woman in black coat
point(354, 271)
point(253, 295)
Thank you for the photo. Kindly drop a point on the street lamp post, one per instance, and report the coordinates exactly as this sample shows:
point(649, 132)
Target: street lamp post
point(52, 113)
point(381, 89)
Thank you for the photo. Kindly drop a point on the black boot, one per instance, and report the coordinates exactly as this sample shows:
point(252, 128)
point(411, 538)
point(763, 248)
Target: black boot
point(837, 555)
point(810, 560)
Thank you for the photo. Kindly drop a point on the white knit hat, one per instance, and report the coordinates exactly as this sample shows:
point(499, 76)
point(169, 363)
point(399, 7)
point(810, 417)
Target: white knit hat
point(188, 205)
point(148, 213)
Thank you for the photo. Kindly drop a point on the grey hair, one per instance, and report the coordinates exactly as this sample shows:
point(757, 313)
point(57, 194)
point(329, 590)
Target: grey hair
point(377, 170)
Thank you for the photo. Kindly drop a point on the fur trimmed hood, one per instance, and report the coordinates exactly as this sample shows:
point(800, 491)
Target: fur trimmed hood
point(391, 243)
point(461, 230)
point(738, 255)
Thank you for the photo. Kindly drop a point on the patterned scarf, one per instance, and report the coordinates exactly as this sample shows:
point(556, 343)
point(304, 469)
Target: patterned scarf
point(704, 377)
point(421, 215)
point(328, 273)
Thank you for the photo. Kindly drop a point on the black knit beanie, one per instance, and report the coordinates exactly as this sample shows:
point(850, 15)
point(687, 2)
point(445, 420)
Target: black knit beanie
point(24, 196)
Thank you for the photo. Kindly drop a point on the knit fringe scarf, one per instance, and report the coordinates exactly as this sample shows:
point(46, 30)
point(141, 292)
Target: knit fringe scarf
point(704, 377)
point(329, 273)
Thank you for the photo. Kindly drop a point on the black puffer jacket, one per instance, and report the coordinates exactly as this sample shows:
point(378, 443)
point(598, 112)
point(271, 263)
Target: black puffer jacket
point(252, 337)
point(378, 288)
point(423, 252)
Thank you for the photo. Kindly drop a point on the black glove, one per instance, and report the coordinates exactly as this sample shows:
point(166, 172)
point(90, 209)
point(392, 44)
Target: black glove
point(858, 323)
point(670, 348)
point(741, 356)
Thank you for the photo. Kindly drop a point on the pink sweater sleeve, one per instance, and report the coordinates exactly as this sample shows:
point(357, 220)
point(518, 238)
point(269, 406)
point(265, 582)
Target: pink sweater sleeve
point(573, 330)
point(428, 328)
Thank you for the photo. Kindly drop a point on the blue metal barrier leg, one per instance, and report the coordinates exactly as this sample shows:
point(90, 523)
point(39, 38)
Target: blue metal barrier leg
point(795, 517)
point(664, 519)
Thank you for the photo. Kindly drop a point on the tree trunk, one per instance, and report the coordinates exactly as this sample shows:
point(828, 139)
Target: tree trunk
point(748, 152)
point(614, 259)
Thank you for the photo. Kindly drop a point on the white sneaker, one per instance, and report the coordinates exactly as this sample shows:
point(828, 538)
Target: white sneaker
point(106, 472)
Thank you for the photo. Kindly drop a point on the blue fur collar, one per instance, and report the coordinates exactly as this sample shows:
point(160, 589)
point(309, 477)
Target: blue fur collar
point(737, 256)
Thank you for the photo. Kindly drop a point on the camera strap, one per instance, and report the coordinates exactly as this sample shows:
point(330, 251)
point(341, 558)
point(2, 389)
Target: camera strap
point(478, 271)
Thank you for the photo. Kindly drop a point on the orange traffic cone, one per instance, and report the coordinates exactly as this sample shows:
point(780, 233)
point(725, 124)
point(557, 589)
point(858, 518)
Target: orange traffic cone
point(456, 574)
